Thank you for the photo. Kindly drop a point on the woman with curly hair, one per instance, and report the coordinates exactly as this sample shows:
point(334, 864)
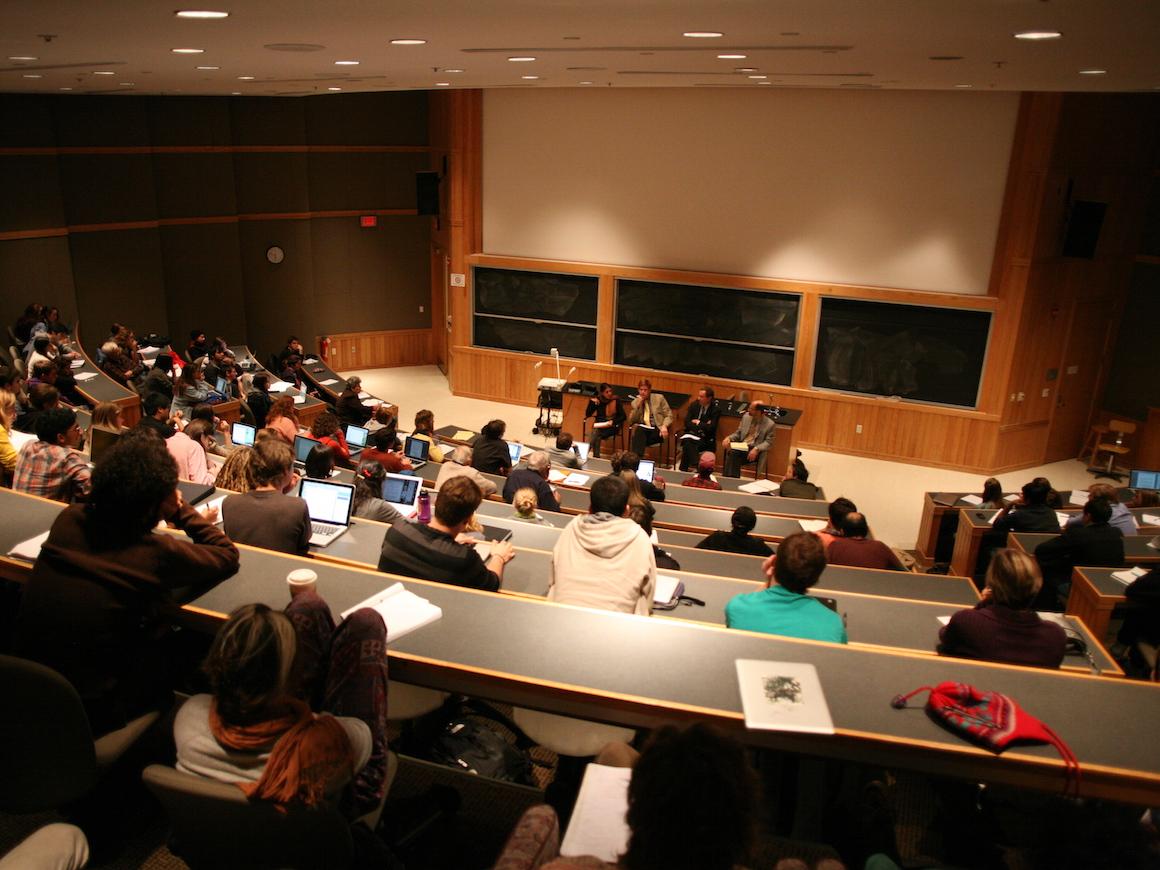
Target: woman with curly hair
point(283, 417)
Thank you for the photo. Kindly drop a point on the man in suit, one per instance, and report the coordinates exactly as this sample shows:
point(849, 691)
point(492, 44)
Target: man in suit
point(650, 418)
point(1095, 542)
point(701, 421)
point(756, 431)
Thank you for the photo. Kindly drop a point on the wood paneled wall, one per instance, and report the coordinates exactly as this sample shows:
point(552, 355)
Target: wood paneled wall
point(368, 350)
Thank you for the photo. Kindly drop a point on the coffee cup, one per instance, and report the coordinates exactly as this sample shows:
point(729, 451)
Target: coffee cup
point(301, 580)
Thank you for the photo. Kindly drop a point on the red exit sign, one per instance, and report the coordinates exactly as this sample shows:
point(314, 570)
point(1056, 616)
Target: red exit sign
point(368, 220)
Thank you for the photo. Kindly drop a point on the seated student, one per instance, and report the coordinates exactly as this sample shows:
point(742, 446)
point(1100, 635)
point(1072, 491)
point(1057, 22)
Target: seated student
point(564, 454)
point(190, 449)
point(41, 398)
point(291, 371)
point(368, 490)
point(756, 431)
point(13, 382)
point(783, 607)
point(26, 323)
point(425, 429)
point(320, 462)
point(258, 399)
point(326, 429)
point(992, 495)
point(257, 728)
point(382, 418)
point(118, 366)
point(198, 345)
point(237, 474)
point(1003, 627)
point(433, 552)
point(856, 549)
point(602, 559)
point(626, 460)
point(214, 423)
point(349, 407)
point(383, 448)
point(839, 509)
point(94, 607)
point(796, 483)
point(190, 390)
point(703, 479)
point(284, 418)
point(1093, 543)
point(160, 377)
point(1122, 518)
point(7, 451)
point(1031, 513)
point(52, 466)
point(293, 348)
point(264, 517)
point(738, 539)
point(525, 501)
point(490, 453)
point(459, 465)
point(1142, 620)
point(535, 477)
point(642, 513)
point(49, 375)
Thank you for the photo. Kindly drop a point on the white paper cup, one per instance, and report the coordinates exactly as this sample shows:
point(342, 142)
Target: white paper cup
point(302, 580)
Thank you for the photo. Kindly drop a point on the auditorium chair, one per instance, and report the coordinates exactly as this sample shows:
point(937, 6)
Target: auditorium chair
point(1118, 431)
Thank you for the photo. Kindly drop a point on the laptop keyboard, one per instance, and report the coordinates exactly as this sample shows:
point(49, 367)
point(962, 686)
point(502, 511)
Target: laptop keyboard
point(323, 529)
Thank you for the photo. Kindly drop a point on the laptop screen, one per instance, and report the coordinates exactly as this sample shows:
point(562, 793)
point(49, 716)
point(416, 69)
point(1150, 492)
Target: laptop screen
point(582, 449)
point(303, 446)
point(222, 386)
point(100, 440)
point(1141, 478)
point(243, 434)
point(417, 448)
point(327, 502)
point(514, 450)
point(645, 470)
point(356, 436)
point(401, 491)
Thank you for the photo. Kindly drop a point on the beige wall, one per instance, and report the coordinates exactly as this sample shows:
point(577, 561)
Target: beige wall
point(888, 188)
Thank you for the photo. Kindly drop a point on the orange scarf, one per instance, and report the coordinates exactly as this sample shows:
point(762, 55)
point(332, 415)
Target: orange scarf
point(311, 755)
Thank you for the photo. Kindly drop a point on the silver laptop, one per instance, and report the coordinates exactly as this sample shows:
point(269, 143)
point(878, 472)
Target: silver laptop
point(243, 434)
point(417, 450)
point(330, 505)
point(302, 448)
point(645, 470)
point(356, 437)
point(515, 449)
point(582, 451)
point(401, 491)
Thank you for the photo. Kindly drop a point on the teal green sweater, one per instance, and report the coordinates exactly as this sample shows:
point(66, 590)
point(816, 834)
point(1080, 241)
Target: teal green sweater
point(776, 610)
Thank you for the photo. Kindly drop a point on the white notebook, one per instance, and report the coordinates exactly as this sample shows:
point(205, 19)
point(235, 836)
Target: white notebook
point(598, 826)
point(783, 696)
point(813, 525)
point(402, 611)
point(758, 486)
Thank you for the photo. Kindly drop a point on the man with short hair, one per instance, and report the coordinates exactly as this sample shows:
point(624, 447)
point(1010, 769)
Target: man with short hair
point(796, 483)
point(265, 516)
point(603, 559)
point(459, 465)
point(703, 479)
point(1122, 518)
point(258, 399)
point(1094, 543)
point(41, 398)
point(1031, 513)
point(738, 539)
point(434, 551)
point(755, 431)
point(838, 510)
point(564, 454)
point(650, 417)
point(627, 460)
point(783, 607)
point(857, 549)
point(534, 477)
point(52, 466)
point(700, 421)
point(350, 408)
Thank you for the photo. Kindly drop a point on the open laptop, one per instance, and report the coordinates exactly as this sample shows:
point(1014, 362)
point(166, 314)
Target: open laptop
point(582, 451)
point(515, 449)
point(356, 437)
point(330, 505)
point(100, 440)
point(1142, 478)
point(401, 491)
point(302, 448)
point(222, 387)
point(417, 450)
point(242, 434)
point(645, 470)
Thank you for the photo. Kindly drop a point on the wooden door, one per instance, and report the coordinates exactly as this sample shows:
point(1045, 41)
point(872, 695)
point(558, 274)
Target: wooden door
point(1079, 373)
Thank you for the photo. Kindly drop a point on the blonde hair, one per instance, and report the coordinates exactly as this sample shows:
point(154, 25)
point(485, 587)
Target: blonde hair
point(105, 416)
point(1104, 490)
point(1013, 578)
point(525, 501)
point(635, 495)
point(249, 663)
point(236, 473)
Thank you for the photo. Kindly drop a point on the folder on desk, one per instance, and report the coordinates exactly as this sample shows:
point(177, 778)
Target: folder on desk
point(403, 611)
point(783, 696)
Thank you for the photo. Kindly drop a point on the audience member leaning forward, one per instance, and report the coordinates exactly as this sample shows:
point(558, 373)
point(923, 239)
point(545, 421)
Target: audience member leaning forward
point(602, 559)
point(93, 607)
point(437, 551)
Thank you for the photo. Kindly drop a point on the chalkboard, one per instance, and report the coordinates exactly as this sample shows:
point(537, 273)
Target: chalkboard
point(700, 357)
point(914, 352)
point(747, 316)
point(533, 312)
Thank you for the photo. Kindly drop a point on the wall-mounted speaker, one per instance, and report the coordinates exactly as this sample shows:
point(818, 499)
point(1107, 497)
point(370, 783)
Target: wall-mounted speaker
point(427, 192)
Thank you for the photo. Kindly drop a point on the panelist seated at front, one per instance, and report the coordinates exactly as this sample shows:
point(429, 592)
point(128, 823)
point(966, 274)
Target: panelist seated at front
point(750, 443)
point(700, 433)
point(609, 417)
point(650, 418)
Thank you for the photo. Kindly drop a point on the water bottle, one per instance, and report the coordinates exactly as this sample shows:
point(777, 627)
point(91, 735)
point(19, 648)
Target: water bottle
point(424, 507)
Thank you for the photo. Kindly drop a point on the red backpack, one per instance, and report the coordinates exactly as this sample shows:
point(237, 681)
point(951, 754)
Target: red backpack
point(992, 720)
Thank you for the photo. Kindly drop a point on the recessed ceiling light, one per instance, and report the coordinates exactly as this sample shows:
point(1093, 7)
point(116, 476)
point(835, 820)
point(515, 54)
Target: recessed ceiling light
point(452, 70)
point(104, 72)
point(31, 76)
point(585, 83)
point(64, 89)
point(346, 63)
point(334, 89)
point(702, 34)
point(745, 69)
point(964, 86)
point(759, 77)
point(235, 93)
point(442, 84)
point(126, 84)
point(765, 83)
point(201, 13)
point(245, 78)
point(530, 78)
point(207, 67)
point(1093, 72)
point(408, 42)
point(22, 57)
point(521, 59)
point(731, 56)
point(188, 50)
point(1038, 34)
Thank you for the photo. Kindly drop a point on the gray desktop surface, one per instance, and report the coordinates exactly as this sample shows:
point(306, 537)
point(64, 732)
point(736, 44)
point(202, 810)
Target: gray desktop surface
point(24, 517)
point(1136, 547)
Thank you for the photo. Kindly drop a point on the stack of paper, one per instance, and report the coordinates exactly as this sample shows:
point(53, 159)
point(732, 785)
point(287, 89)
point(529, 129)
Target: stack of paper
point(1151, 519)
point(971, 500)
point(364, 395)
point(328, 382)
point(575, 479)
point(598, 826)
point(279, 386)
point(760, 486)
point(1130, 575)
point(299, 400)
point(462, 435)
point(77, 363)
point(85, 376)
point(555, 475)
point(401, 610)
point(370, 403)
point(30, 549)
point(812, 525)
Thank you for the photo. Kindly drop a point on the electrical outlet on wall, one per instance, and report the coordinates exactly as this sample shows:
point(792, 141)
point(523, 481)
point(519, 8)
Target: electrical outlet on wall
point(421, 308)
point(858, 429)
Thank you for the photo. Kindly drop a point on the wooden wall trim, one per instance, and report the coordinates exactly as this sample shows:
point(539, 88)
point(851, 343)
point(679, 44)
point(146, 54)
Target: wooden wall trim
point(145, 150)
point(379, 349)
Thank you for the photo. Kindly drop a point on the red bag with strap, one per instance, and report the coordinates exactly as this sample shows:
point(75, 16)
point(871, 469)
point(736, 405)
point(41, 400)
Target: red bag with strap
point(992, 720)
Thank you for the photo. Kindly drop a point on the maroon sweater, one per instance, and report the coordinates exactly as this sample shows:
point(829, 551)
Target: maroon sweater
point(861, 553)
point(997, 633)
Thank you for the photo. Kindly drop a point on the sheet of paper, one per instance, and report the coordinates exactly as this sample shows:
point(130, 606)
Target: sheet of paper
point(812, 525)
point(783, 696)
point(759, 486)
point(1058, 618)
point(279, 386)
point(971, 500)
point(575, 479)
point(300, 400)
point(204, 507)
point(77, 363)
point(1150, 519)
point(1062, 517)
point(666, 586)
point(403, 611)
point(690, 435)
point(328, 382)
point(598, 826)
point(1010, 497)
point(370, 403)
point(484, 549)
point(738, 445)
point(85, 376)
point(309, 361)
point(19, 439)
point(603, 425)
point(148, 363)
point(1129, 575)
point(994, 517)
point(462, 435)
point(555, 475)
point(30, 549)
point(943, 620)
point(364, 395)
